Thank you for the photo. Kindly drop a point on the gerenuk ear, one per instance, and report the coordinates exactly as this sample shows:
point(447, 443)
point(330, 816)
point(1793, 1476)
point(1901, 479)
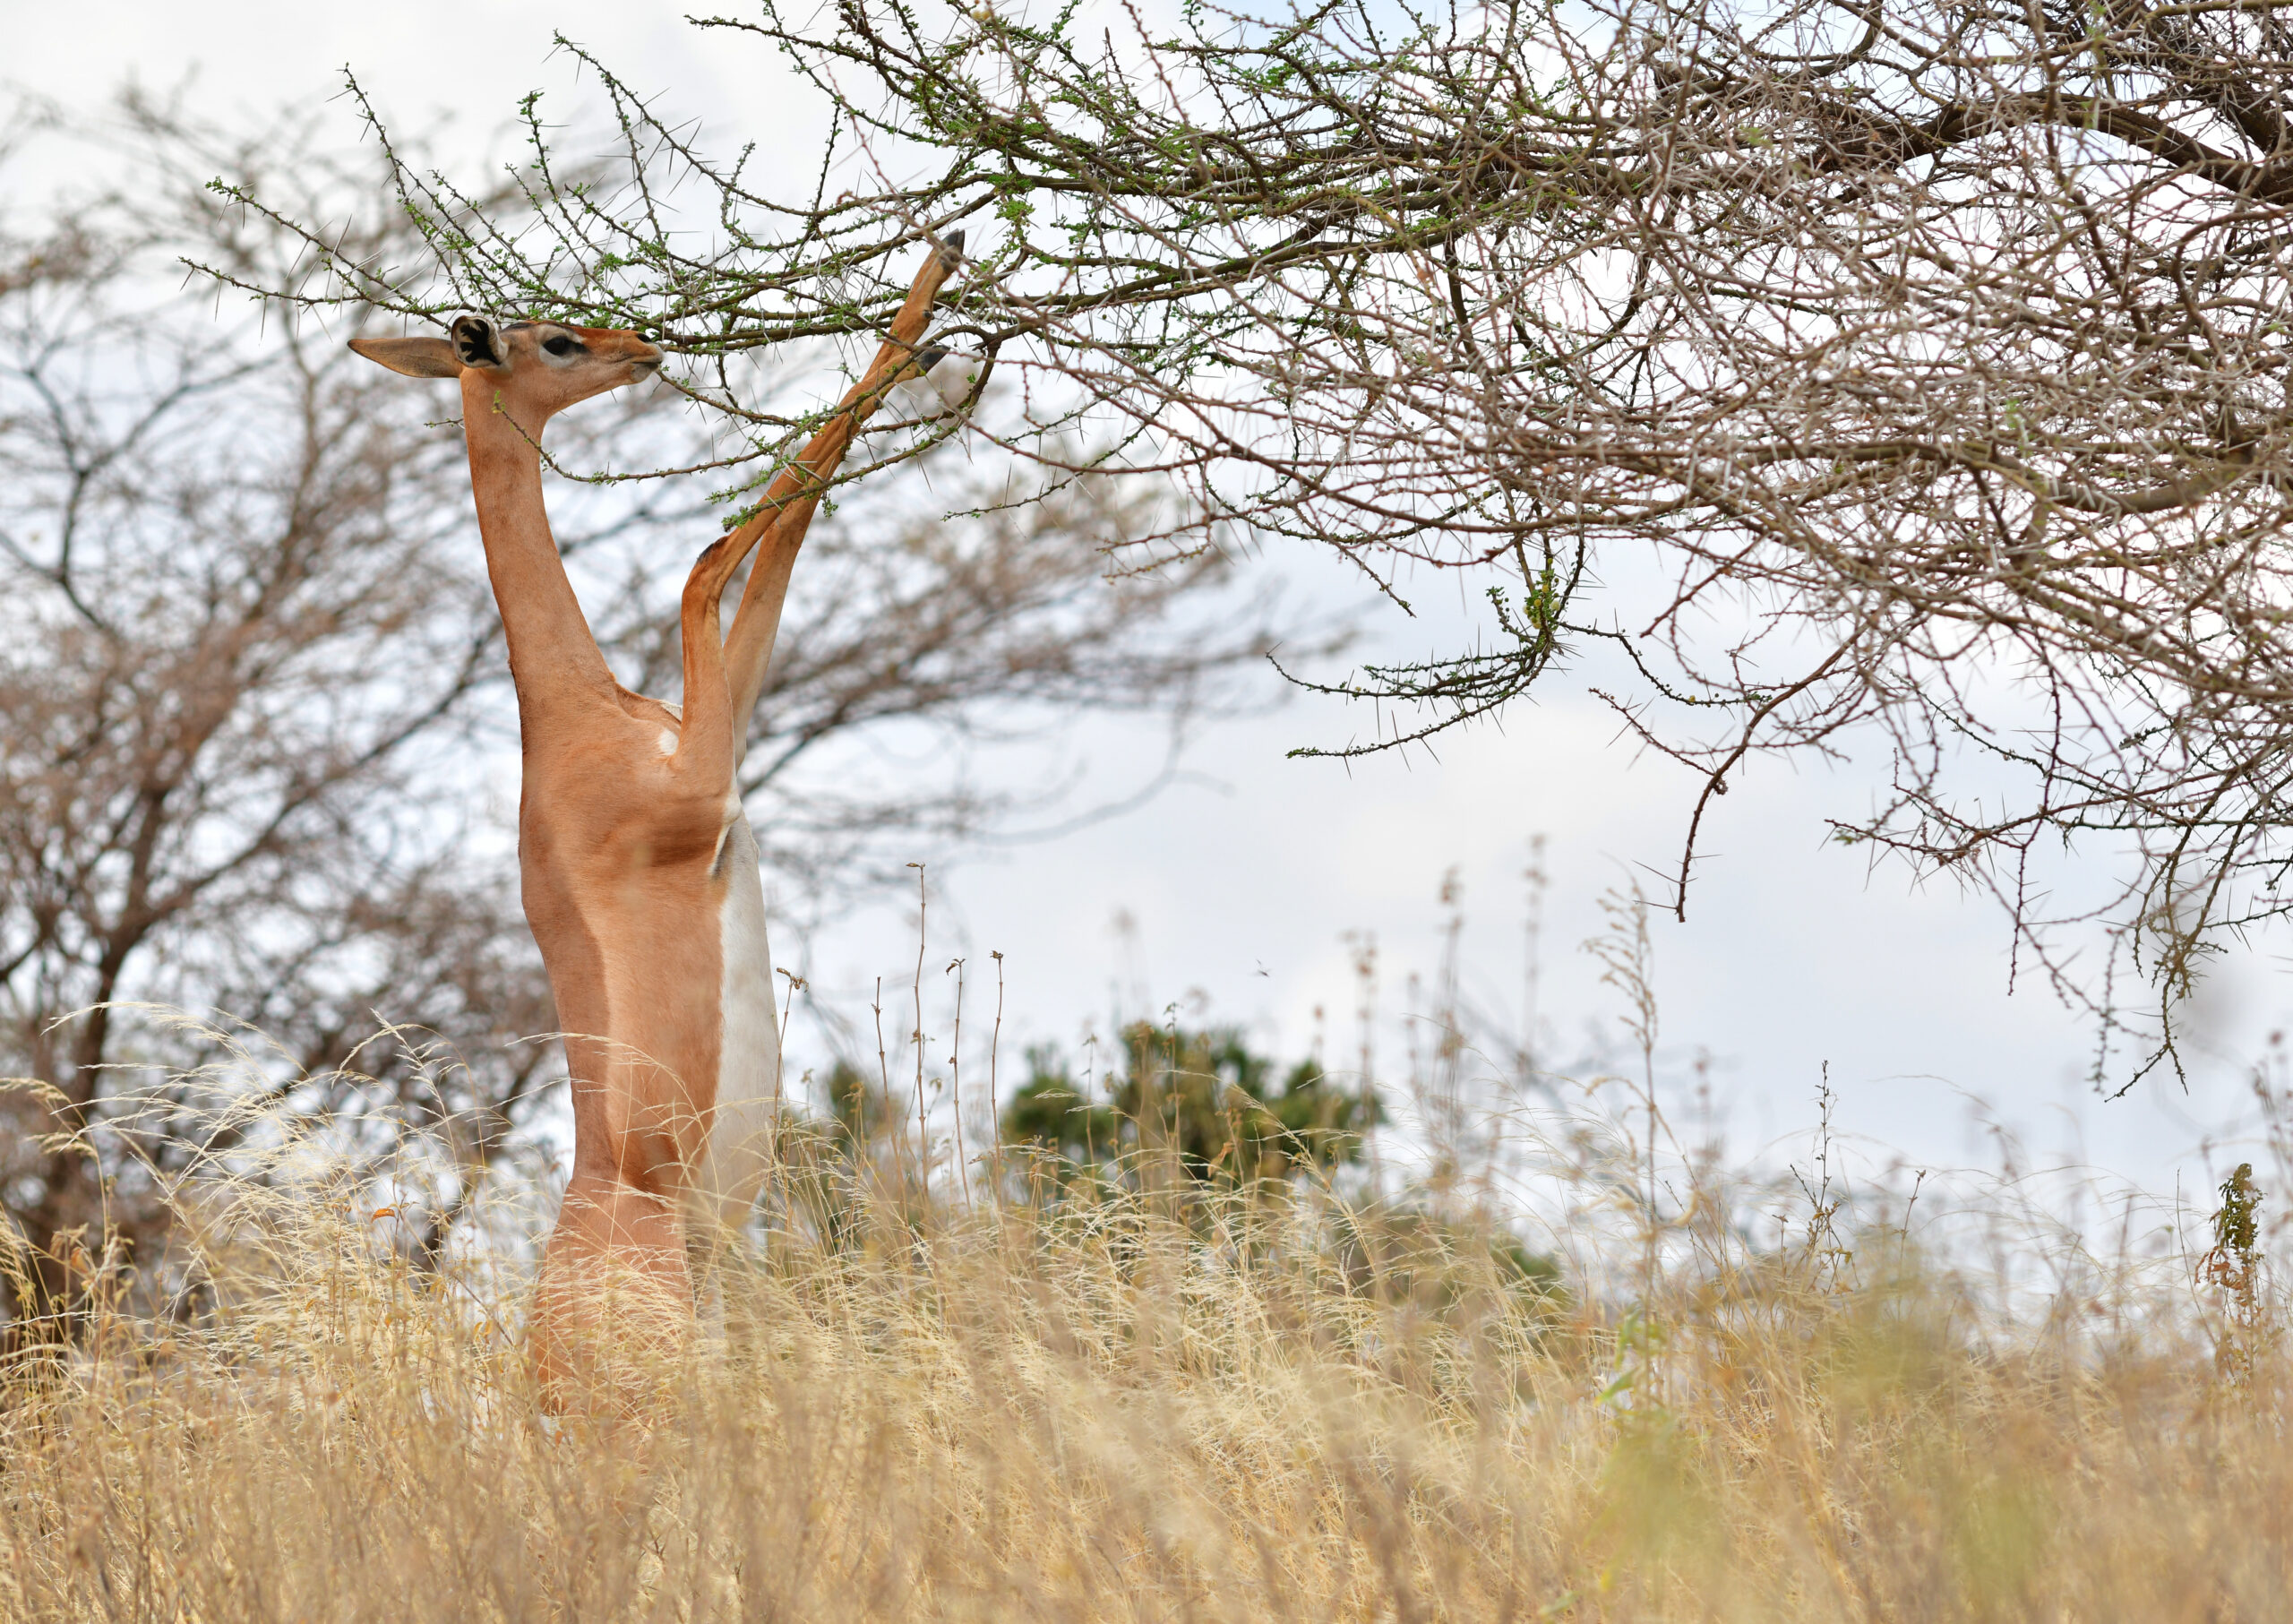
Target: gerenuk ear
point(416, 357)
point(478, 341)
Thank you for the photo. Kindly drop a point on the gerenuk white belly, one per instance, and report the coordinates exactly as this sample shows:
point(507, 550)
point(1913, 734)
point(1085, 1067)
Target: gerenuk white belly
point(748, 1067)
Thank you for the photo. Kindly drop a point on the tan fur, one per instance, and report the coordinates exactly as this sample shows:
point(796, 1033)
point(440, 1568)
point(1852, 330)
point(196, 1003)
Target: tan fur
point(616, 839)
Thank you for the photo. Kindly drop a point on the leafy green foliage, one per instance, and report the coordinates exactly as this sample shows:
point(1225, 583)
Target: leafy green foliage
point(1053, 1113)
point(2233, 1266)
point(1201, 1097)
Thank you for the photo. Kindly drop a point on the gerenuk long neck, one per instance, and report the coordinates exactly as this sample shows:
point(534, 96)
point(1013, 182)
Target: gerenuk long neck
point(553, 656)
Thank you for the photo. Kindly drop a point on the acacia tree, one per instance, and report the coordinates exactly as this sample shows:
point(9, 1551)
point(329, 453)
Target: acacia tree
point(252, 700)
point(1916, 370)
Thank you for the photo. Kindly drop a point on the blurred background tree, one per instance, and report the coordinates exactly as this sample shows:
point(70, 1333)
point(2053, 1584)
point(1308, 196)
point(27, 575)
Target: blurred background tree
point(1200, 1102)
point(1198, 1098)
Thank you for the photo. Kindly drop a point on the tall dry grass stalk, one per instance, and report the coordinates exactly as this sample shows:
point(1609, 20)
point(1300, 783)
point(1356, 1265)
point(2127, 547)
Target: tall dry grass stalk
point(1098, 1405)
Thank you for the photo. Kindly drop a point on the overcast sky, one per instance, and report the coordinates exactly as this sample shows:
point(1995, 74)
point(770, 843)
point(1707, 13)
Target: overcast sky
point(1241, 881)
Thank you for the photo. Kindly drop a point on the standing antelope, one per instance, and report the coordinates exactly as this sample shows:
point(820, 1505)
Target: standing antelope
point(638, 864)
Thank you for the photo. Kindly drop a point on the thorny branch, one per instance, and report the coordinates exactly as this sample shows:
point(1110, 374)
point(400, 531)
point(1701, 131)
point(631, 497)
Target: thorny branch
point(1935, 347)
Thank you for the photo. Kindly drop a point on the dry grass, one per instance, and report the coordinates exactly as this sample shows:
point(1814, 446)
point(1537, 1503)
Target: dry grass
point(1104, 1410)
